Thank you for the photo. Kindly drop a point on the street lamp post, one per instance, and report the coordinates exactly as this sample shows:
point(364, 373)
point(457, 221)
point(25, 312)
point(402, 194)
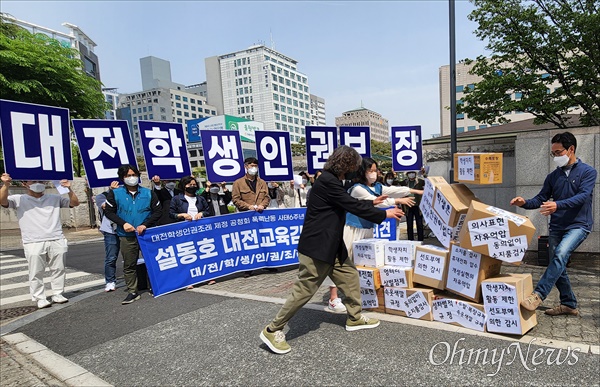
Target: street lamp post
point(452, 88)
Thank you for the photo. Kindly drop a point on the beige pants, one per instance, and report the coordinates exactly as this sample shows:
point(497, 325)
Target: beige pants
point(40, 254)
point(311, 274)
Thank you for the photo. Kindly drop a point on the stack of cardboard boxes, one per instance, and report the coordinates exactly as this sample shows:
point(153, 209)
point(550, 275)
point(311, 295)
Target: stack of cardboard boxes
point(460, 282)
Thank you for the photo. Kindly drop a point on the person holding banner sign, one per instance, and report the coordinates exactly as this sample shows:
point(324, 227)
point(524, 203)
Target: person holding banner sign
point(42, 235)
point(165, 191)
point(217, 202)
point(133, 208)
point(188, 205)
point(321, 248)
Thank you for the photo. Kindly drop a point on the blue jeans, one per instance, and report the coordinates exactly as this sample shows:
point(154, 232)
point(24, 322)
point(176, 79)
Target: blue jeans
point(111, 247)
point(560, 246)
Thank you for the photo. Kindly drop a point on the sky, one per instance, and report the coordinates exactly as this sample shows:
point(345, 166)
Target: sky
point(382, 55)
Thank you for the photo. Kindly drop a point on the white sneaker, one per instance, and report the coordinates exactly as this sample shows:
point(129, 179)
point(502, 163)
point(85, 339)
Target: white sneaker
point(43, 303)
point(336, 306)
point(110, 287)
point(59, 299)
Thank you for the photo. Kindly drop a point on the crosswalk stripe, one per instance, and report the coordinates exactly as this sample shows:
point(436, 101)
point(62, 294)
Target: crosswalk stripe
point(25, 297)
point(7, 256)
point(15, 274)
point(13, 266)
point(13, 260)
point(25, 284)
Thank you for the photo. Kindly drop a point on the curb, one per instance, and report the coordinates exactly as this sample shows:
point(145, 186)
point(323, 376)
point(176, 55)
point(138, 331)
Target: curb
point(63, 369)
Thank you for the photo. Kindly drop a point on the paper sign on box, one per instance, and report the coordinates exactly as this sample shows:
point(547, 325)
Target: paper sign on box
point(369, 252)
point(431, 266)
point(478, 168)
point(400, 253)
point(413, 303)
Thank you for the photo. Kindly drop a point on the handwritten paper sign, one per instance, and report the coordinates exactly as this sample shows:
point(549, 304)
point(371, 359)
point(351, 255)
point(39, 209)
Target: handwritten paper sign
point(454, 311)
point(394, 276)
point(369, 298)
point(466, 168)
point(400, 253)
point(463, 271)
point(369, 252)
point(416, 305)
point(430, 265)
point(394, 298)
point(366, 278)
point(502, 307)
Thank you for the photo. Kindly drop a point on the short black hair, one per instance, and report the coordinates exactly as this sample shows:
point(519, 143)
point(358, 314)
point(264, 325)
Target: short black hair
point(251, 160)
point(123, 169)
point(185, 181)
point(567, 139)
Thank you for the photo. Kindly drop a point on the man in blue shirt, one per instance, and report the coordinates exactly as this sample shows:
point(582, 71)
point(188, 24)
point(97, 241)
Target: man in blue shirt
point(570, 186)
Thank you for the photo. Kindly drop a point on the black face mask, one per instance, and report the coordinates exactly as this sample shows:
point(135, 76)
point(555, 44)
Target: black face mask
point(350, 175)
point(191, 190)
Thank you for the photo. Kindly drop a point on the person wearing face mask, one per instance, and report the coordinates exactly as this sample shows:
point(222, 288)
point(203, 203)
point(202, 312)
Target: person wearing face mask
point(133, 208)
point(570, 186)
point(42, 235)
point(298, 193)
point(321, 248)
point(413, 214)
point(165, 191)
point(275, 194)
point(217, 201)
point(390, 179)
point(111, 241)
point(188, 205)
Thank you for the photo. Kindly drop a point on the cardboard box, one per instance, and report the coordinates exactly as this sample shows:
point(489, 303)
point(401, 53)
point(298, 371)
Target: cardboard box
point(373, 300)
point(459, 312)
point(441, 230)
point(369, 277)
point(396, 276)
point(369, 252)
point(450, 201)
point(400, 253)
point(413, 303)
point(478, 168)
point(496, 233)
point(431, 266)
point(502, 296)
point(466, 270)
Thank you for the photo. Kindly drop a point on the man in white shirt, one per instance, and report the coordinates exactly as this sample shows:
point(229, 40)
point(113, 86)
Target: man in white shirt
point(42, 236)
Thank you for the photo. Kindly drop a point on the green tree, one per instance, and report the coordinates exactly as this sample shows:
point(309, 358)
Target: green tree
point(299, 149)
point(535, 43)
point(37, 69)
point(382, 153)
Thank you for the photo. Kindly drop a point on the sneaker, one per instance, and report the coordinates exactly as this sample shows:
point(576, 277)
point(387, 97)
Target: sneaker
point(43, 303)
point(110, 287)
point(59, 299)
point(562, 309)
point(130, 298)
point(336, 306)
point(275, 341)
point(363, 322)
point(531, 302)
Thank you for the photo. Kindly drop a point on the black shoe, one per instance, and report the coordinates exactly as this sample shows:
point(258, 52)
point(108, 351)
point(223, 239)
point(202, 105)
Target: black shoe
point(130, 298)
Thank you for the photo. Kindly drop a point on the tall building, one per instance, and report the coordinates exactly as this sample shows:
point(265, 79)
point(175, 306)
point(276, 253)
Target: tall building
point(317, 111)
point(111, 96)
point(260, 84)
point(75, 38)
point(156, 73)
point(380, 128)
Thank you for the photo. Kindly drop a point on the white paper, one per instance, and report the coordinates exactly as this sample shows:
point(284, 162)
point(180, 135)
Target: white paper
point(518, 220)
point(503, 319)
point(369, 298)
point(463, 271)
point(417, 305)
point(469, 316)
point(442, 206)
point(61, 190)
point(394, 298)
point(393, 276)
point(485, 230)
point(499, 294)
point(297, 181)
point(509, 250)
point(444, 310)
point(430, 265)
point(400, 253)
point(441, 230)
point(466, 168)
point(366, 279)
point(368, 252)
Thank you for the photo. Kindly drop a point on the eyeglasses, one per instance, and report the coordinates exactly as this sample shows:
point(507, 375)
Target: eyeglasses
point(557, 153)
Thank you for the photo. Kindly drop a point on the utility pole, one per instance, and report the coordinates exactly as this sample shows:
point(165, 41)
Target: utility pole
point(453, 149)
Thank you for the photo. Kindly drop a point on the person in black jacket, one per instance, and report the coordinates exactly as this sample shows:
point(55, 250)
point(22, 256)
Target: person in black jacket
point(217, 201)
point(165, 190)
point(321, 248)
point(412, 181)
point(188, 206)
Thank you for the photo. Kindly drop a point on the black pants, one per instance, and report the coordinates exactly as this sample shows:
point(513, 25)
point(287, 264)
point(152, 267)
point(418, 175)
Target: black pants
point(414, 213)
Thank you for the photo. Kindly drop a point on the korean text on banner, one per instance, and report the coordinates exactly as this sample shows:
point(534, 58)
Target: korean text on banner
point(104, 146)
point(320, 143)
point(223, 155)
point(36, 141)
point(407, 149)
point(191, 252)
point(165, 150)
point(274, 154)
point(357, 137)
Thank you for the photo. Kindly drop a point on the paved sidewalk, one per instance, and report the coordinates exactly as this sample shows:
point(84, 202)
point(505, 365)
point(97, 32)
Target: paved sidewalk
point(19, 370)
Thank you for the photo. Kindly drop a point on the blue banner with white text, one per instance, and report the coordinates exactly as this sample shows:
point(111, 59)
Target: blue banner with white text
point(191, 252)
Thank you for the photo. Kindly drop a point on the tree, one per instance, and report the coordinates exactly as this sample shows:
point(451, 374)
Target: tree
point(535, 43)
point(382, 153)
point(299, 148)
point(37, 69)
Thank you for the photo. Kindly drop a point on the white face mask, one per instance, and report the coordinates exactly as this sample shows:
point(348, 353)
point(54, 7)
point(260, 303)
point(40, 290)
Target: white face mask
point(411, 175)
point(389, 181)
point(371, 177)
point(304, 181)
point(561, 161)
point(37, 187)
point(170, 186)
point(252, 171)
point(131, 181)
point(269, 185)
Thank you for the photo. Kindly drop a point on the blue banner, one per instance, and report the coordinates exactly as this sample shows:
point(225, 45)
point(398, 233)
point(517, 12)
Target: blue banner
point(321, 141)
point(36, 141)
point(165, 150)
point(274, 154)
point(190, 252)
point(223, 155)
point(193, 129)
point(407, 148)
point(104, 146)
point(357, 137)
point(386, 229)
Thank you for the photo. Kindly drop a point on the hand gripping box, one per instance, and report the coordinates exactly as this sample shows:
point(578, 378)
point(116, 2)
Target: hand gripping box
point(502, 296)
point(496, 233)
point(369, 277)
point(396, 276)
point(478, 168)
point(413, 303)
point(467, 269)
point(373, 300)
point(459, 312)
point(369, 252)
point(400, 253)
point(431, 266)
